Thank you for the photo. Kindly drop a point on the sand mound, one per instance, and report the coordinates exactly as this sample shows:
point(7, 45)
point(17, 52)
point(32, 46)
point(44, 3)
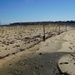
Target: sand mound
point(67, 65)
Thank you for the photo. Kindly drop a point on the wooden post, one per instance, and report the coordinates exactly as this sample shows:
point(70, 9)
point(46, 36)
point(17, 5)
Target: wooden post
point(43, 32)
point(59, 28)
point(9, 31)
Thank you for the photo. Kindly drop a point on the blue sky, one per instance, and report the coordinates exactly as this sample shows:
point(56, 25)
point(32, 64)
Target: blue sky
point(36, 10)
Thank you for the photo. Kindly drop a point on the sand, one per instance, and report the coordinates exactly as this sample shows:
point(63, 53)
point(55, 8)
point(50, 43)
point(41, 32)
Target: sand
point(67, 64)
point(42, 59)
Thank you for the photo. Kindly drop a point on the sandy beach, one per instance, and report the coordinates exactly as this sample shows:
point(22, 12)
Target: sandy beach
point(37, 37)
point(45, 58)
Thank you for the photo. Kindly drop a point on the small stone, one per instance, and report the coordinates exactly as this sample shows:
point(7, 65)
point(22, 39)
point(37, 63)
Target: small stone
point(40, 53)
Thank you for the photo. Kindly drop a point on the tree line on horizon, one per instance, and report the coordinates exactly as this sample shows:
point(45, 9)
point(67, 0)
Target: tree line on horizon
point(43, 22)
point(40, 23)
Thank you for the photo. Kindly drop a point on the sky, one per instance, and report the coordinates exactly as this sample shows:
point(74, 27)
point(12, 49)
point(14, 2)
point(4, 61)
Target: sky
point(36, 10)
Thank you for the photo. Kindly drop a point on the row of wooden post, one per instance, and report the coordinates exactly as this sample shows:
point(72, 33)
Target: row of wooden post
point(44, 31)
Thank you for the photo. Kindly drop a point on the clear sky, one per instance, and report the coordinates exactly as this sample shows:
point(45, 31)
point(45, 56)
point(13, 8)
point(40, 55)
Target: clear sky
point(36, 10)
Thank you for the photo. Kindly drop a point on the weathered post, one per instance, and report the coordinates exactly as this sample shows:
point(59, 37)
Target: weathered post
point(59, 28)
point(9, 31)
point(43, 32)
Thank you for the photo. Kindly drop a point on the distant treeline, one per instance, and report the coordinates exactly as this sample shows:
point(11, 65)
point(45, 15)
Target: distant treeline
point(41, 23)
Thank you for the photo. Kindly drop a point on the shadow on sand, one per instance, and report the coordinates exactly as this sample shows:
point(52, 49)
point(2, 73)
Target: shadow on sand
point(35, 64)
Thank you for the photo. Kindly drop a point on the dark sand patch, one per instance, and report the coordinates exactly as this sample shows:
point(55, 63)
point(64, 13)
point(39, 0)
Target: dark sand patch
point(35, 64)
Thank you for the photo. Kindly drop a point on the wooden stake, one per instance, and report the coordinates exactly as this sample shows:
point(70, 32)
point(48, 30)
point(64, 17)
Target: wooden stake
point(43, 32)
